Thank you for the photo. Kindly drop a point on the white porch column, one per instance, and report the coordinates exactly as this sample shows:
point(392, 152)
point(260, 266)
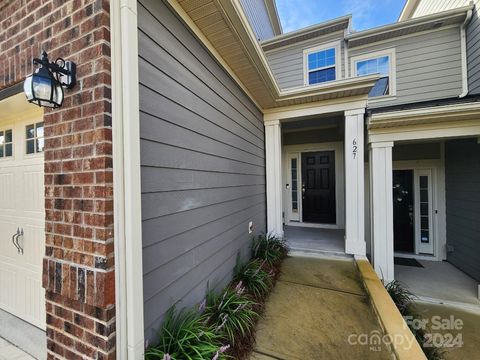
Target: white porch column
point(354, 182)
point(273, 154)
point(381, 208)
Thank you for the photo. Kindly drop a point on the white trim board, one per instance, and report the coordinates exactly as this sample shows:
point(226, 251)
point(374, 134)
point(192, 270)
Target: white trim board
point(126, 179)
point(337, 147)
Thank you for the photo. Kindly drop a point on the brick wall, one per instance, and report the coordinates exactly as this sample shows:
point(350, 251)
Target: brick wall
point(78, 267)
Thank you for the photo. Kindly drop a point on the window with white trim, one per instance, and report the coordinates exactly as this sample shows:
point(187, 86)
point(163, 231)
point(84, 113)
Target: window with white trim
point(378, 63)
point(321, 65)
point(6, 143)
point(35, 141)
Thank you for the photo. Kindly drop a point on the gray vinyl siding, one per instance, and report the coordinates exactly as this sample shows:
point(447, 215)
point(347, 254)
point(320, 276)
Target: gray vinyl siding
point(287, 63)
point(428, 66)
point(202, 166)
point(462, 176)
point(427, 7)
point(257, 14)
point(473, 52)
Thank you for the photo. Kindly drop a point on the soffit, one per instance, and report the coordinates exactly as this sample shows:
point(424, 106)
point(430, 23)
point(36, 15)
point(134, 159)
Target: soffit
point(224, 26)
point(311, 32)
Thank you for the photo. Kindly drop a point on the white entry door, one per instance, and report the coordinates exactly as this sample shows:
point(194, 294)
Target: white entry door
point(22, 212)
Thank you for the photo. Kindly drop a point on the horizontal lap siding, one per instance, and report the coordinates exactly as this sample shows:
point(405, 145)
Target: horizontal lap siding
point(462, 176)
point(473, 51)
point(428, 66)
point(427, 7)
point(202, 166)
point(287, 63)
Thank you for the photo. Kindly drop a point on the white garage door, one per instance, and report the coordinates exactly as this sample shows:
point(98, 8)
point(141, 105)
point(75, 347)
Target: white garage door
point(21, 208)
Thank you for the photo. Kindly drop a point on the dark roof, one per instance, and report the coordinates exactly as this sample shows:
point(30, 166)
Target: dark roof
point(426, 104)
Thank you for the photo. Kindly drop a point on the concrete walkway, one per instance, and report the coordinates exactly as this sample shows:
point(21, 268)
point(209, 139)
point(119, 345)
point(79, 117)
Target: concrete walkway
point(9, 351)
point(316, 311)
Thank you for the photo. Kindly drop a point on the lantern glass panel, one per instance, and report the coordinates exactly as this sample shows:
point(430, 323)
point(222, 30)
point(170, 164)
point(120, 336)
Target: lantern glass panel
point(42, 88)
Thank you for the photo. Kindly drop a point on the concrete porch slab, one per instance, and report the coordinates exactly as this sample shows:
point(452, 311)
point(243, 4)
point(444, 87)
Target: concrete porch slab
point(315, 239)
point(312, 312)
point(338, 274)
point(9, 351)
point(439, 280)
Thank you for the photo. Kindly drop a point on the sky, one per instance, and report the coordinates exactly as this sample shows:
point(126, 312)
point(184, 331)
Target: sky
point(297, 14)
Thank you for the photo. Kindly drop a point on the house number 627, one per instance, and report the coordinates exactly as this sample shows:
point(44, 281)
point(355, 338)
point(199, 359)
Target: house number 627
point(354, 148)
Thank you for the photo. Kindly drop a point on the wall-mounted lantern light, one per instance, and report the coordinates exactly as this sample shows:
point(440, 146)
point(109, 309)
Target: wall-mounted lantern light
point(45, 86)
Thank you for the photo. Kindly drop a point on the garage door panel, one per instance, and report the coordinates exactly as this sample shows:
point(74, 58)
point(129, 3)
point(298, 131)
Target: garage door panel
point(7, 196)
point(8, 279)
point(33, 244)
point(7, 249)
point(33, 192)
point(22, 206)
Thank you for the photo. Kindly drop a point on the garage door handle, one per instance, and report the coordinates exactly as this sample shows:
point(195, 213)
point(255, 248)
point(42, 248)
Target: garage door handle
point(14, 239)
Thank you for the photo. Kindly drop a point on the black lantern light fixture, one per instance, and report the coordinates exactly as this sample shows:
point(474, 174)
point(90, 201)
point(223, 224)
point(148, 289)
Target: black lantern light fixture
point(45, 86)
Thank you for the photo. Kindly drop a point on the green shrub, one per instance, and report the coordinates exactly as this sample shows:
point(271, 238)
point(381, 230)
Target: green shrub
point(405, 302)
point(255, 278)
point(186, 335)
point(231, 313)
point(401, 296)
point(270, 248)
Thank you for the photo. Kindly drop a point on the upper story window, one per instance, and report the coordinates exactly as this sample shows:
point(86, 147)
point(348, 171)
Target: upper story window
point(377, 63)
point(321, 64)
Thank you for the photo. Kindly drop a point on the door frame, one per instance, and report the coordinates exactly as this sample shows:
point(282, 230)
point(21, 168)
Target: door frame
point(438, 208)
point(294, 151)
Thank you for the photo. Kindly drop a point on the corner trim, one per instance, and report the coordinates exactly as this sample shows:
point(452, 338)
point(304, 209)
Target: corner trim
point(126, 180)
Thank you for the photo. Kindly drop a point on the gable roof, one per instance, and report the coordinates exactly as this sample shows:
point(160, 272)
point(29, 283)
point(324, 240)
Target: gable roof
point(273, 15)
point(408, 10)
point(224, 29)
point(410, 26)
point(310, 32)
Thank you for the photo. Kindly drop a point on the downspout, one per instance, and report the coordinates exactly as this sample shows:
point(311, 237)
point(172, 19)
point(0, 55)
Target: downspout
point(463, 47)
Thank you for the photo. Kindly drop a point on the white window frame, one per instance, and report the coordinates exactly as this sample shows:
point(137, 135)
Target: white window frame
point(3, 129)
point(391, 72)
point(338, 63)
point(35, 138)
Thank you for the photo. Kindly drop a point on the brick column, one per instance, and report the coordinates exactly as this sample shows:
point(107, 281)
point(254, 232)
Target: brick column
point(78, 267)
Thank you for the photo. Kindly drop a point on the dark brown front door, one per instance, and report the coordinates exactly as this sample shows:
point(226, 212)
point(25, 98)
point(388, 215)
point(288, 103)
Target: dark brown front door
point(318, 187)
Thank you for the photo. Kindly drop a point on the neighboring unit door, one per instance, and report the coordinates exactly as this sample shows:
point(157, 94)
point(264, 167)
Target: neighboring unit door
point(318, 187)
point(403, 211)
point(22, 212)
